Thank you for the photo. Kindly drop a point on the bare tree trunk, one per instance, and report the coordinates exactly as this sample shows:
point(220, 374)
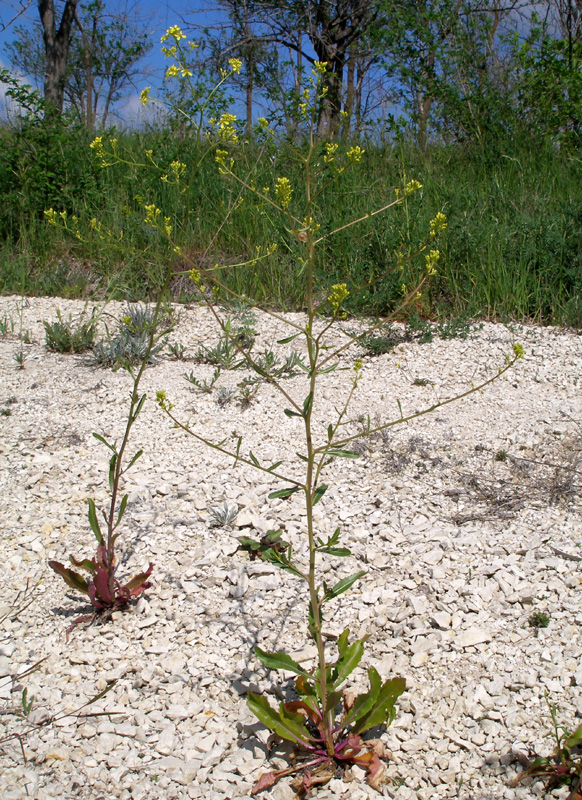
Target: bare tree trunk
point(350, 94)
point(87, 53)
point(249, 90)
point(56, 43)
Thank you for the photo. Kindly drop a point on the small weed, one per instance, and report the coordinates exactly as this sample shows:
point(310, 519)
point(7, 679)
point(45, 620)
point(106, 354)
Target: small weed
point(224, 354)
point(11, 400)
point(421, 382)
point(5, 412)
point(224, 396)
point(454, 328)
point(539, 619)
point(204, 386)
point(132, 341)
point(20, 358)
point(246, 395)
point(379, 345)
point(222, 516)
point(419, 328)
point(4, 326)
point(68, 336)
point(501, 455)
point(177, 351)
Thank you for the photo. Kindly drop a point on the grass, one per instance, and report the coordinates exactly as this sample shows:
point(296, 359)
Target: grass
point(512, 250)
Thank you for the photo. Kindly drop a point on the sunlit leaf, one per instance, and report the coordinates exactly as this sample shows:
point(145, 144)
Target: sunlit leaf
point(343, 585)
point(72, 579)
point(94, 522)
point(104, 441)
point(284, 723)
point(280, 661)
point(348, 661)
point(122, 508)
point(382, 709)
point(289, 413)
point(343, 453)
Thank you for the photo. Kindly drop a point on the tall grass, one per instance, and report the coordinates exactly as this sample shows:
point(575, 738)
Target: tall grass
point(513, 247)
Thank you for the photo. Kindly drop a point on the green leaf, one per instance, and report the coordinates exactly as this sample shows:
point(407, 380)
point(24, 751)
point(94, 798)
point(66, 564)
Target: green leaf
point(280, 661)
point(348, 661)
point(286, 724)
point(302, 458)
point(288, 339)
point(319, 492)
point(382, 708)
point(331, 368)
point(342, 586)
point(282, 493)
point(289, 413)
point(134, 459)
point(343, 453)
point(122, 508)
point(574, 739)
point(307, 403)
point(329, 432)
point(94, 523)
point(112, 465)
point(85, 563)
point(72, 579)
point(246, 541)
point(139, 406)
point(274, 466)
point(340, 552)
point(363, 703)
point(254, 459)
point(104, 441)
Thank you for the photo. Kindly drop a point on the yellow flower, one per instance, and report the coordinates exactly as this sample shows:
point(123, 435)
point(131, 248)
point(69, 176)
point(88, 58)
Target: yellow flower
point(518, 350)
point(330, 149)
point(283, 191)
point(195, 276)
point(51, 216)
point(235, 64)
point(170, 52)
point(320, 67)
point(145, 96)
point(412, 186)
point(172, 71)
point(226, 128)
point(355, 154)
point(431, 261)
point(339, 292)
point(175, 33)
point(438, 224)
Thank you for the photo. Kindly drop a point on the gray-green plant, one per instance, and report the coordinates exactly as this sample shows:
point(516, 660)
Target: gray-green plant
point(177, 351)
point(223, 515)
point(70, 335)
point(326, 724)
point(131, 343)
point(204, 385)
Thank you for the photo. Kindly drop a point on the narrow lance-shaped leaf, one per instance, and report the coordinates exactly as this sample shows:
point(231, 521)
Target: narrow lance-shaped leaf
point(288, 339)
point(285, 724)
point(94, 522)
point(139, 406)
point(348, 661)
point(319, 492)
point(85, 563)
point(112, 465)
point(343, 453)
point(104, 441)
point(280, 661)
point(274, 466)
point(282, 493)
point(342, 586)
point(289, 413)
point(122, 507)
point(329, 433)
point(134, 459)
point(307, 403)
point(254, 459)
point(574, 739)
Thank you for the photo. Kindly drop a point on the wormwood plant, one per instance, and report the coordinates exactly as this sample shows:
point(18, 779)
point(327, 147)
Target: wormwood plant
point(326, 723)
point(68, 335)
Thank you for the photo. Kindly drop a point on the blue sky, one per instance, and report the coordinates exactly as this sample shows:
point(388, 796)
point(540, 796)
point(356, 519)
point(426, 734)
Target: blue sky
point(158, 15)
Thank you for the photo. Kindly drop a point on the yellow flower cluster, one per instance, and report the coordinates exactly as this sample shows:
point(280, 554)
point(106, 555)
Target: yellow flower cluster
point(355, 154)
point(320, 67)
point(330, 151)
point(283, 191)
point(339, 292)
point(175, 33)
point(145, 96)
point(223, 166)
point(438, 224)
point(51, 216)
point(162, 401)
point(226, 128)
point(431, 261)
point(518, 350)
point(235, 64)
point(412, 186)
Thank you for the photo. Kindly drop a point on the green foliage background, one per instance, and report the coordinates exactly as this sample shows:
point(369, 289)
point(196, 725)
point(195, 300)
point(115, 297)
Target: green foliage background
point(513, 248)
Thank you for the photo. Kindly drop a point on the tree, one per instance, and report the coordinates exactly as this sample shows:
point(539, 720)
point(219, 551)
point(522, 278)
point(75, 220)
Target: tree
point(104, 51)
point(56, 46)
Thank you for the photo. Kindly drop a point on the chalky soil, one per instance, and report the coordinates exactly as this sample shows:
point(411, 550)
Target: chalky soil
point(460, 541)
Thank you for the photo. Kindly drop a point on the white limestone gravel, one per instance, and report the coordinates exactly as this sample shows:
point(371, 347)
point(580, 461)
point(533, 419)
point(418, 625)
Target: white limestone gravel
point(459, 550)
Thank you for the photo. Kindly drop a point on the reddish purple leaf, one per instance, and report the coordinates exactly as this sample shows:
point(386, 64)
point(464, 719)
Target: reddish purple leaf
point(72, 579)
point(101, 583)
point(266, 780)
